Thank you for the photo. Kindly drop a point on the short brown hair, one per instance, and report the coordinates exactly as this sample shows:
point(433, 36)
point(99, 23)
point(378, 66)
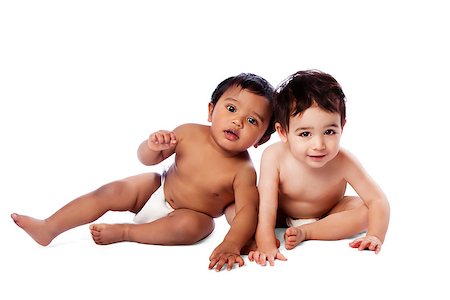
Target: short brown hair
point(301, 90)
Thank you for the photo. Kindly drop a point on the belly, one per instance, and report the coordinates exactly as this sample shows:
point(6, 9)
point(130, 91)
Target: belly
point(201, 198)
point(310, 204)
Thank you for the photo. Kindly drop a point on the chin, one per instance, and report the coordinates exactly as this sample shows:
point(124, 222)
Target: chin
point(316, 164)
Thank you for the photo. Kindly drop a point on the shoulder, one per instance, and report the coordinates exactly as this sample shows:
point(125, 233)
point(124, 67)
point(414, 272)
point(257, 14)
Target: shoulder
point(190, 129)
point(348, 162)
point(245, 174)
point(346, 157)
point(274, 151)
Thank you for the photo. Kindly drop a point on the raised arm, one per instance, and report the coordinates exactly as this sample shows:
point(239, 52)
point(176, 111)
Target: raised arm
point(376, 201)
point(267, 249)
point(157, 147)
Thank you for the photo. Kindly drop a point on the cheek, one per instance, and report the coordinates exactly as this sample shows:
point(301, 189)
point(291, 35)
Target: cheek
point(333, 146)
point(253, 134)
point(335, 143)
point(297, 148)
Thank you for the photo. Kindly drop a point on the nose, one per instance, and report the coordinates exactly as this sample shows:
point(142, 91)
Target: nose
point(319, 143)
point(238, 122)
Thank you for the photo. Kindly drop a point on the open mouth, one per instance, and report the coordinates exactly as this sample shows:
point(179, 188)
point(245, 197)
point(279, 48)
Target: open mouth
point(231, 135)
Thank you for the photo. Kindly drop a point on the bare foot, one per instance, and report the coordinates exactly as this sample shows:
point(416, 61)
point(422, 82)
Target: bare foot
point(293, 236)
point(37, 229)
point(105, 234)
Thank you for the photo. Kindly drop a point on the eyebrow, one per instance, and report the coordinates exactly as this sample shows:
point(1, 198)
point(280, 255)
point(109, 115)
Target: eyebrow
point(309, 128)
point(253, 112)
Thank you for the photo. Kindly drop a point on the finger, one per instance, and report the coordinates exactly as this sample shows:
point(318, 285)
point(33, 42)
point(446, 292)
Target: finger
point(372, 246)
point(156, 139)
point(213, 263)
point(271, 260)
point(231, 261)
point(356, 243)
point(262, 259)
point(240, 261)
point(153, 138)
point(167, 137)
point(280, 256)
point(173, 138)
point(250, 255)
point(378, 249)
point(363, 245)
point(220, 264)
point(164, 138)
point(258, 257)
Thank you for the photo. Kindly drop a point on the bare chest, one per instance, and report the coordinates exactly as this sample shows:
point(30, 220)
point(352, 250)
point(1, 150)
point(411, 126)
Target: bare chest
point(312, 192)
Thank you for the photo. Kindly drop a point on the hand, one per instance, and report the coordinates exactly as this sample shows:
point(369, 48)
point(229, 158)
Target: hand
point(370, 242)
point(225, 253)
point(161, 140)
point(261, 256)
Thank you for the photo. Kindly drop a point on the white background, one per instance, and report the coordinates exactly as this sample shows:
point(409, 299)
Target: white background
point(82, 83)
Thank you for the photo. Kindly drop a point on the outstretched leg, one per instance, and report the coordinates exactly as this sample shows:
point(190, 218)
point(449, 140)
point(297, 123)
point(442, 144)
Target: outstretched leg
point(347, 218)
point(180, 227)
point(127, 194)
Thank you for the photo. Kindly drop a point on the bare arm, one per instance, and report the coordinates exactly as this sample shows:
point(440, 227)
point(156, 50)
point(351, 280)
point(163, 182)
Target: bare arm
point(373, 197)
point(157, 147)
point(244, 223)
point(268, 205)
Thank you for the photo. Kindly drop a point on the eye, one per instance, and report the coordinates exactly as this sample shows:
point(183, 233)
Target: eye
point(305, 134)
point(329, 132)
point(252, 121)
point(231, 108)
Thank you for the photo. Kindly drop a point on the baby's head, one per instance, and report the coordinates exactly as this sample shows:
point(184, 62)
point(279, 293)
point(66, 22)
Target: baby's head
point(310, 115)
point(259, 108)
point(305, 89)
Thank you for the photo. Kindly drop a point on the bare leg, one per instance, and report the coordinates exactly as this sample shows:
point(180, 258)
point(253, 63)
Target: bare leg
point(127, 194)
point(180, 227)
point(347, 218)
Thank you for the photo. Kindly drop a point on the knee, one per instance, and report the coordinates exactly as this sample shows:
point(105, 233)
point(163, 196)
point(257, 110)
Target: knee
point(363, 212)
point(191, 229)
point(112, 190)
point(357, 204)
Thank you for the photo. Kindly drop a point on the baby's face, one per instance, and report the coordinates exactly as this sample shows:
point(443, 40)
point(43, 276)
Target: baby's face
point(239, 119)
point(314, 136)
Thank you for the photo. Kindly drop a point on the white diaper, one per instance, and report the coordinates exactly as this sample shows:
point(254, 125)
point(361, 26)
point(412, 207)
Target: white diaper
point(298, 222)
point(155, 208)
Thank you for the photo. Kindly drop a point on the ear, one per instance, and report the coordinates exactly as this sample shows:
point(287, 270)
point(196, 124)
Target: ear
point(343, 123)
point(281, 132)
point(210, 111)
point(262, 141)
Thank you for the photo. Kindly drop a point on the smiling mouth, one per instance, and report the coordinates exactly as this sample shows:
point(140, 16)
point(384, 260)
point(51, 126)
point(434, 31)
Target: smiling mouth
point(231, 135)
point(317, 157)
